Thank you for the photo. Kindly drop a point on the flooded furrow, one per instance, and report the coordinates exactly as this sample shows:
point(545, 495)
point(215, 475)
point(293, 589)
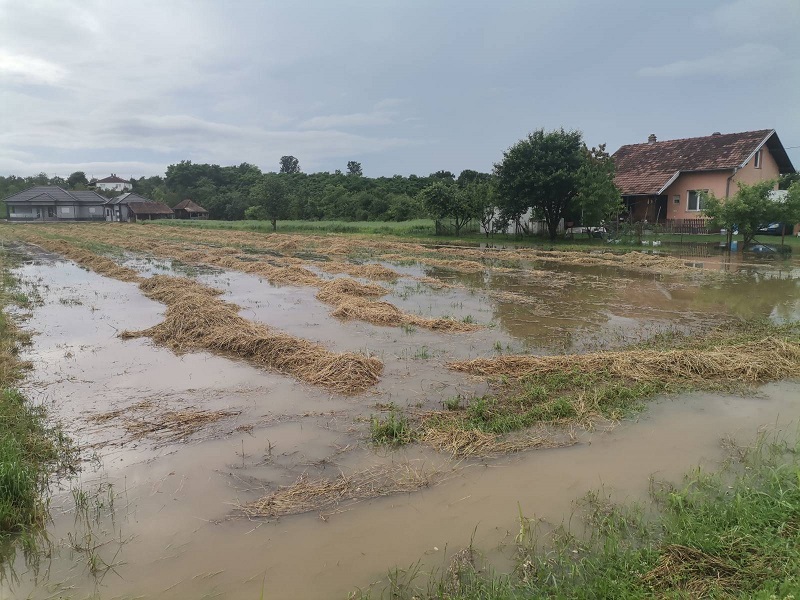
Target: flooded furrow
point(174, 446)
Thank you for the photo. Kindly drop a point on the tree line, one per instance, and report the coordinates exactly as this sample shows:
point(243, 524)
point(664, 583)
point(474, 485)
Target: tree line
point(548, 175)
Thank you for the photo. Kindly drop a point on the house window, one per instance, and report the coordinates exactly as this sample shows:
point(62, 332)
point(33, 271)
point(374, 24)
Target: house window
point(11, 210)
point(696, 200)
point(757, 160)
point(65, 210)
point(91, 210)
point(676, 199)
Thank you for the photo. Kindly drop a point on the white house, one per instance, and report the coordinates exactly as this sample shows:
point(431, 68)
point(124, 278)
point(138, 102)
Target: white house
point(114, 184)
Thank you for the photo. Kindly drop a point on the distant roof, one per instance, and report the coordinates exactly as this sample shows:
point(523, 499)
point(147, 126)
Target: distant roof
point(128, 198)
point(149, 208)
point(53, 193)
point(112, 179)
point(646, 169)
point(189, 206)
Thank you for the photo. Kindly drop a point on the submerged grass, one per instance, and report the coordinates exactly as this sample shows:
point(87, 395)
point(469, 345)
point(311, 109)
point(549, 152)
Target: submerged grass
point(307, 494)
point(577, 389)
point(734, 533)
point(30, 448)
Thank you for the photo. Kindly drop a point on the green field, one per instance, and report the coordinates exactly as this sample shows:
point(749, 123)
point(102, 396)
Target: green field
point(424, 230)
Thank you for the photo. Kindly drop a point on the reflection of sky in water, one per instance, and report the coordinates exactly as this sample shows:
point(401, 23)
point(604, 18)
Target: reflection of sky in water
point(579, 307)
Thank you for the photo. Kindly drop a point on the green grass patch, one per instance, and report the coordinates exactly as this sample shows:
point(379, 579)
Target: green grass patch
point(391, 430)
point(30, 448)
point(578, 396)
point(424, 230)
point(734, 533)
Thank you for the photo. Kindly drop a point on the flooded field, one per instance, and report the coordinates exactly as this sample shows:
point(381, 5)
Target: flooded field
point(210, 469)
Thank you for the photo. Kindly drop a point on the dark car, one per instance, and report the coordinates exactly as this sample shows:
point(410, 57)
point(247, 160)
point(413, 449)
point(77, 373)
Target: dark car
point(776, 229)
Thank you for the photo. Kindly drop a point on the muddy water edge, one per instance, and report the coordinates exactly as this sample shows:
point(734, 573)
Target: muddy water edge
point(156, 512)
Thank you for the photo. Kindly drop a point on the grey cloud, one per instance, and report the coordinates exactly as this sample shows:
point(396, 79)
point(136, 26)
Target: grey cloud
point(733, 62)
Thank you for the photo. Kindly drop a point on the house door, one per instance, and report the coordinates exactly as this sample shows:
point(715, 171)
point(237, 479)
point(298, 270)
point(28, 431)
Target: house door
point(660, 214)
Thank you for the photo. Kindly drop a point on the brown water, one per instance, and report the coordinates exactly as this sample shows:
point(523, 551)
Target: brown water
point(176, 531)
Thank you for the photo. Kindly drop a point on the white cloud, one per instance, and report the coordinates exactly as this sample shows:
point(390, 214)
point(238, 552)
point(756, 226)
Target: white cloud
point(752, 18)
point(351, 120)
point(746, 59)
point(30, 69)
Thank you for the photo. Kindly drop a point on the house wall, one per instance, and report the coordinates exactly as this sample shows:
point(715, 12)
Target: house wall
point(90, 212)
point(713, 181)
point(750, 175)
point(25, 212)
point(717, 183)
point(115, 187)
point(66, 212)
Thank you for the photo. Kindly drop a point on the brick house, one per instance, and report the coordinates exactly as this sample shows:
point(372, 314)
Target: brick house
point(661, 181)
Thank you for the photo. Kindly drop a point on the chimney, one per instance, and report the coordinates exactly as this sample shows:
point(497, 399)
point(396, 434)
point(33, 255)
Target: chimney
point(651, 139)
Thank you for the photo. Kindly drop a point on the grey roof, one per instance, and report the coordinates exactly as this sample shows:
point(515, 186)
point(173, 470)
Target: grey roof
point(52, 193)
point(128, 198)
point(88, 196)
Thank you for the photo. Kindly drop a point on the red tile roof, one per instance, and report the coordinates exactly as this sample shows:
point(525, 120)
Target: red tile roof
point(644, 169)
point(112, 179)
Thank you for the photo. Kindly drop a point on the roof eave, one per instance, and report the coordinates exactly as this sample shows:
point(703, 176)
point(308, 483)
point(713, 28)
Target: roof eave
point(670, 181)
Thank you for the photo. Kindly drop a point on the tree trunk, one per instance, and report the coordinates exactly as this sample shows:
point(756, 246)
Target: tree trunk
point(274, 224)
point(552, 228)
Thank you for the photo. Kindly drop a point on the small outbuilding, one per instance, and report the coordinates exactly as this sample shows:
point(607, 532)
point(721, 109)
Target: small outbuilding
point(149, 211)
point(187, 209)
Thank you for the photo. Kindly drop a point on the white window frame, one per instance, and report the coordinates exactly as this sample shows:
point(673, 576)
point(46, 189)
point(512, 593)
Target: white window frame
point(689, 200)
point(757, 159)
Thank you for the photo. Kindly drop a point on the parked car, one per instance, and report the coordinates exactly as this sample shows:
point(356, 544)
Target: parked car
point(776, 229)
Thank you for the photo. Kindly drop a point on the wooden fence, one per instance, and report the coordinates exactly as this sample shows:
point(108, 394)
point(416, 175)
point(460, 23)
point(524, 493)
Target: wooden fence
point(687, 226)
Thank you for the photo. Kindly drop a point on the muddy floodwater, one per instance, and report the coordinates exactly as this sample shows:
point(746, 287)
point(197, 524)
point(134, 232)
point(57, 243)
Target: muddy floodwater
point(159, 508)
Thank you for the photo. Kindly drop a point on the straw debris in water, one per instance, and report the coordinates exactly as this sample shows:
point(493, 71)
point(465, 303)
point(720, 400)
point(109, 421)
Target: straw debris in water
point(473, 443)
point(768, 359)
point(306, 495)
point(196, 320)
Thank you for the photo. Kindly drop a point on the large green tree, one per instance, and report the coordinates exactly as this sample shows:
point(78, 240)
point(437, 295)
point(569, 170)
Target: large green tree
point(541, 172)
point(788, 209)
point(749, 209)
point(354, 168)
point(77, 180)
point(270, 193)
point(289, 164)
point(598, 199)
point(446, 201)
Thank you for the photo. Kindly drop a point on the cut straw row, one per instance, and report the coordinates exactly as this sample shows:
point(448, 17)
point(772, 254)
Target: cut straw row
point(196, 319)
point(768, 359)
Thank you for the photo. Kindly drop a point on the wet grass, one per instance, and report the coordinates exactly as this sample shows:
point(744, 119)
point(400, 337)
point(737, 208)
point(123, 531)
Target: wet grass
point(391, 430)
point(579, 396)
point(423, 230)
point(30, 449)
point(734, 533)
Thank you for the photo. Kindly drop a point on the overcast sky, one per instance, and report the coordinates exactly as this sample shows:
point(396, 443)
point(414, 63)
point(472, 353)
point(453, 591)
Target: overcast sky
point(403, 87)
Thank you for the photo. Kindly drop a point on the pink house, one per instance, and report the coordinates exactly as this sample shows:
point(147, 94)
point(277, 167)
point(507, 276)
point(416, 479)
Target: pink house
point(661, 181)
